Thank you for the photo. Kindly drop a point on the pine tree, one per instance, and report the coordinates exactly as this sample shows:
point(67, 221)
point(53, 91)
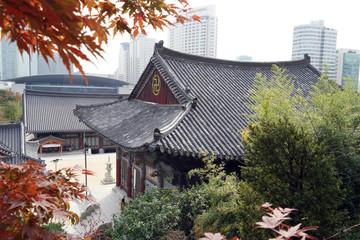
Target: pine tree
point(289, 167)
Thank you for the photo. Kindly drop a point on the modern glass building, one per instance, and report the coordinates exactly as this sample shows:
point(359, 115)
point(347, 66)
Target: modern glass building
point(123, 67)
point(193, 37)
point(319, 42)
point(348, 65)
point(9, 59)
point(14, 64)
point(134, 57)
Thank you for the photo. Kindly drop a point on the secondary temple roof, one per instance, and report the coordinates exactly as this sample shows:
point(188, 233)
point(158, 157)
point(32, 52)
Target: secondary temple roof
point(13, 146)
point(185, 104)
point(48, 112)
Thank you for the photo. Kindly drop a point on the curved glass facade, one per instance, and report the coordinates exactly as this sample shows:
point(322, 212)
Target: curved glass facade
point(319, 43)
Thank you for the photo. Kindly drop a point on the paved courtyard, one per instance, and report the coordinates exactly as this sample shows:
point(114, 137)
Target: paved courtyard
point(95, 163)
point(107, 197)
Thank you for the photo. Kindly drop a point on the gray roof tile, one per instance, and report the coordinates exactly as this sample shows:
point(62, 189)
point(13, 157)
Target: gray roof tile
point(11, 135)
point(222, 89)
point(117, 120)
point(12, 143)
point(47, 112)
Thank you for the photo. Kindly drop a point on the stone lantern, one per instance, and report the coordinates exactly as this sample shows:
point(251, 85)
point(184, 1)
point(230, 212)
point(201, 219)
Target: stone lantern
point(108, 179)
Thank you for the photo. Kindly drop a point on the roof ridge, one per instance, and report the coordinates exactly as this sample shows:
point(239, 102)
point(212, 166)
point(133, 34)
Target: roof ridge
point(99, 104)
point(180, 55)
point(171, 126)
point(67, 94)
point(11, 124)
point(172, 76)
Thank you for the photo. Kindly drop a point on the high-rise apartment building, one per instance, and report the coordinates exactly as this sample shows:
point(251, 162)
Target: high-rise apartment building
point(134, 57)
point(193, 37)
point(123, 66)
point(348, 65)
point(319, 42)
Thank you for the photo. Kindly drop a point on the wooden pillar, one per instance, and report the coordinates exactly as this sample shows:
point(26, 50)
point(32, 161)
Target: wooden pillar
point(118, 167)
point(129, 177)
point(101, 145)
point(81, 141)
point(142, 176)
point(160, 177)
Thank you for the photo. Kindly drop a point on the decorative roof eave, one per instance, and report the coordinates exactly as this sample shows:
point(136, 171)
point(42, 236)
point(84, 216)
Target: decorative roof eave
point(143, 147)
point(170, 115)
point(164, 131)
point(6, 150)
point(44, 139)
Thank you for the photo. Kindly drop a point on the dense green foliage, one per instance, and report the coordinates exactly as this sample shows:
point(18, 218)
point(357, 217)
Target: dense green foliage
point(12, 111)
point(289, 168)
point(10, 107)
point(233, 205)
point(156, 212)
point(54, 227)
point(301, 151)
point(338, 117)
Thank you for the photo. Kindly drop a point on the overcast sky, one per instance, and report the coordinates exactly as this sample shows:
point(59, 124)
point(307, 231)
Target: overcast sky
point(262, 29)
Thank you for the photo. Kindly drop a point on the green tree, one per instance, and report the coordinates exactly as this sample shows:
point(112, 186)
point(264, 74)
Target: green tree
point(12, 111)
point(327, 118)
point(232, 204)
point(157, 212)
point(289, 167)
point(338, 117)
point(10, 106)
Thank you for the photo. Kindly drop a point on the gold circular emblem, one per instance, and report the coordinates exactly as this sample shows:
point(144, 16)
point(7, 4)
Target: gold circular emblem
point(156, 84)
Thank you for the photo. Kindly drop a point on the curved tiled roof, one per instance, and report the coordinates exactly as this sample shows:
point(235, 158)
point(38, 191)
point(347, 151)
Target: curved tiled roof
point(48, 112)
point(219, 91)
point(5, 149)
point(130, 124)
point(11, 135)
point(12, 144)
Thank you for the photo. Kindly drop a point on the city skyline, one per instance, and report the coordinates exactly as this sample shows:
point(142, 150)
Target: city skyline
point(261, 29)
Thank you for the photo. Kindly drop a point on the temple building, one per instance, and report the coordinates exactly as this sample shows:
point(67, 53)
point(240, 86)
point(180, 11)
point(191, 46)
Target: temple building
point(183, 107)
point(49, 118)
